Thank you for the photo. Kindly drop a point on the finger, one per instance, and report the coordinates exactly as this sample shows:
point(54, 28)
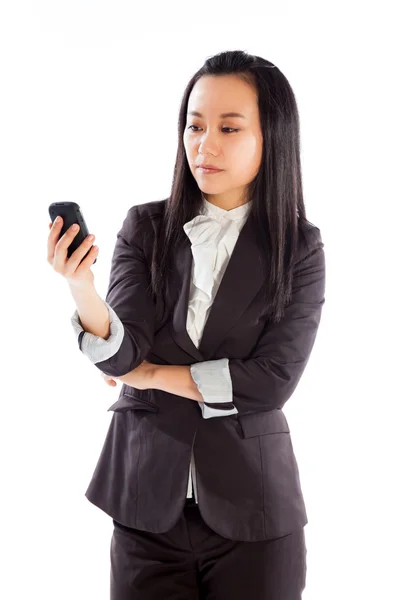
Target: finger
point(87, 262)
point(61, 249)
point(74, 262)
point(54, 232)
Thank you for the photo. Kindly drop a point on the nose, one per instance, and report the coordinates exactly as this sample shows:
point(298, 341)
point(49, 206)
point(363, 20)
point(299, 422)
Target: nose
point(208, 144)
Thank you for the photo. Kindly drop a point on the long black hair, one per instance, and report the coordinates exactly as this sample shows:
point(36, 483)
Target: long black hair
point(276, 192)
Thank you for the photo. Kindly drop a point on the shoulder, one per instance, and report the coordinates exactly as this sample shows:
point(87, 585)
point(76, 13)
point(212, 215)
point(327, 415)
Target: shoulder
point(143, 216)
point(310, 240)
point(142, 222)
point(147, 210)
point(151, 210)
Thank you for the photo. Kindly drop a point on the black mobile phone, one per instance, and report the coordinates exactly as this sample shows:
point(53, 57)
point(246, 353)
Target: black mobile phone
point(70, 213)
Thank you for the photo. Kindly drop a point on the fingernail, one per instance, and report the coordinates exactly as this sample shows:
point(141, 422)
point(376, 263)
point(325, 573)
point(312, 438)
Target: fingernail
point(74, 226)
point(58, 220)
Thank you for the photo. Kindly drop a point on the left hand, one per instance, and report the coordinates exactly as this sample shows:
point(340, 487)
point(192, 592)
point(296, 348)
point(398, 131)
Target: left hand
point(142, 370)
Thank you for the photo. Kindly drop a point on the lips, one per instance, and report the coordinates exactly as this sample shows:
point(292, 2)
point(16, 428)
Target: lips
point(214, 170)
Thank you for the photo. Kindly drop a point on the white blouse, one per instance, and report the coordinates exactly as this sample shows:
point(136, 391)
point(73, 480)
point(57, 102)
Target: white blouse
point(213, 234)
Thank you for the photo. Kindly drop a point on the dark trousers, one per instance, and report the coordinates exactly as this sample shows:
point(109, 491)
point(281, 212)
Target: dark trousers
point(192, 562)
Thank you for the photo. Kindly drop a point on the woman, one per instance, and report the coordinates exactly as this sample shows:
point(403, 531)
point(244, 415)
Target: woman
point(213, 306)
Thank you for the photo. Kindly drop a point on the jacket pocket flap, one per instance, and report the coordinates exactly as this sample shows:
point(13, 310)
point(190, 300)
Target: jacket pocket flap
point(271, 421)
point(130, 402)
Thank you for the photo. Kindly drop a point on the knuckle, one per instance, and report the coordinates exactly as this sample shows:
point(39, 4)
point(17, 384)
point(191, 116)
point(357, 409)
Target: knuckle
point(88, 241)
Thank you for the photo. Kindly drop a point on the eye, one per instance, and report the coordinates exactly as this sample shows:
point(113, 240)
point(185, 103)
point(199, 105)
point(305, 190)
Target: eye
point(232, 129)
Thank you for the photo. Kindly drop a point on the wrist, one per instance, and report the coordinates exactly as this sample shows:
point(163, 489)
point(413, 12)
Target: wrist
point(81, 287)
point(155, 377)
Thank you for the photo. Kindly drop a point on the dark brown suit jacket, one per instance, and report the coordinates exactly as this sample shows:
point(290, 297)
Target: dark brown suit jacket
point(247, 474)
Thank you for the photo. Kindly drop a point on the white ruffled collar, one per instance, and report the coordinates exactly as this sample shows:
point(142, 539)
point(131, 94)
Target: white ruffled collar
point(205, 231)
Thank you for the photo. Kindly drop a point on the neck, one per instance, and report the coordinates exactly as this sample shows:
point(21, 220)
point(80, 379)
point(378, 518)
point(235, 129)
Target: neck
point(223, 202)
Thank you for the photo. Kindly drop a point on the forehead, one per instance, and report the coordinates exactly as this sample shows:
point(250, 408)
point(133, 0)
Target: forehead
point(215, 97)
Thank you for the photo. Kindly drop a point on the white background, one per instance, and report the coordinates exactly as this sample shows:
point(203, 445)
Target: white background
point(90, 94)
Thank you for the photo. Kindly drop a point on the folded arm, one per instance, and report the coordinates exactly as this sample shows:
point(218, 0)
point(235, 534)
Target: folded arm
point(262, 382)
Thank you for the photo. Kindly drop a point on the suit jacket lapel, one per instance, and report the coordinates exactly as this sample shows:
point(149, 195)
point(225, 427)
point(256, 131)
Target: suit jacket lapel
point(242, 279)
point(181, 281)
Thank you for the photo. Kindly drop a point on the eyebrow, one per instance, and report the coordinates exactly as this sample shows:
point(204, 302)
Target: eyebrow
point(195, 113)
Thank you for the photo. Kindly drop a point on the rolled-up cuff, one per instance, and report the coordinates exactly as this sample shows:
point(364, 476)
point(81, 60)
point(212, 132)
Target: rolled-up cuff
point(96, 348)
point(210, 411)
point(213, 380)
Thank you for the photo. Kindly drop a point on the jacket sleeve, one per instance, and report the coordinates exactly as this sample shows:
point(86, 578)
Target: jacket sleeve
point(267, 379)
point(132, 313)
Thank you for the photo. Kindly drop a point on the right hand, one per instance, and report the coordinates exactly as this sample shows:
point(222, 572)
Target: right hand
point(76, 273)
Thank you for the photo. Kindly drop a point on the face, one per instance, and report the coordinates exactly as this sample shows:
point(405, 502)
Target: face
point(233, 144)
